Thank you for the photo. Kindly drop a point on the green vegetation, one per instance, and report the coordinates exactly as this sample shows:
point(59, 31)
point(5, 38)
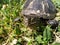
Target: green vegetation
point(12, 31)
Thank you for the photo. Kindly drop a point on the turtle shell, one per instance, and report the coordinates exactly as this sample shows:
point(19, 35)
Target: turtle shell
point(39, 8)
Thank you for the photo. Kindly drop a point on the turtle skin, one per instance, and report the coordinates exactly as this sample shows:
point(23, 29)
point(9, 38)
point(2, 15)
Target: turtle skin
point(44, 9)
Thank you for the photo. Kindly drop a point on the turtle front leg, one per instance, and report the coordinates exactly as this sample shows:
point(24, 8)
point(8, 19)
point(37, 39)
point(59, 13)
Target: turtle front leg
point(25, 21)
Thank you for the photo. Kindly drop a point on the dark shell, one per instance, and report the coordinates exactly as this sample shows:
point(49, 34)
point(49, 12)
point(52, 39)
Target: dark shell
point(39, 8)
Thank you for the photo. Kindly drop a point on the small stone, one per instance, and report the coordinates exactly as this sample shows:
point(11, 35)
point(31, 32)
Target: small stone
point(14, 41)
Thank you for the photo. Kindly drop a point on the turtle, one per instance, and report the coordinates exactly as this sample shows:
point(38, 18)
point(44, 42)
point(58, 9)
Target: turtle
point(42, 9)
